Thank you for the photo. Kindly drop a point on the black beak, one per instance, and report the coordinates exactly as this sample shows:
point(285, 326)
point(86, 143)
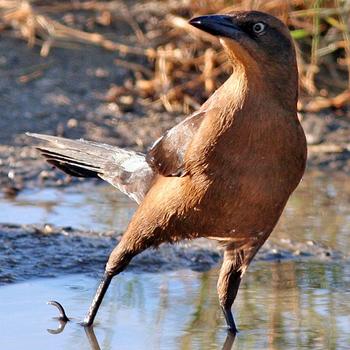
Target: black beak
point(219, 25)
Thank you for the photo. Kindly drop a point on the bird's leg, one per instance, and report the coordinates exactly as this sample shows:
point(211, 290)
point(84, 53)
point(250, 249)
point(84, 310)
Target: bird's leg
point(139, 236)
point(150, 226)
point(117, 262)
point(96, 302)
point(228, 284)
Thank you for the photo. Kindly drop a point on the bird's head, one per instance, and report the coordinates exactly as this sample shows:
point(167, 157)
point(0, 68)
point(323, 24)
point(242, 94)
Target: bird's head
point(257, 40)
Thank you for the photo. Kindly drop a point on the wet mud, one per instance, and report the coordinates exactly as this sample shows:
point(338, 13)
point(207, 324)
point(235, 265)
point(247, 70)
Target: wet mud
point(32, 252)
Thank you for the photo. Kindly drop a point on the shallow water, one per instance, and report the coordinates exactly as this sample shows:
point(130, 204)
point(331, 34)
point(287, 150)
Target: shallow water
point(102, 208)
point(319, 210)
point(280, 305)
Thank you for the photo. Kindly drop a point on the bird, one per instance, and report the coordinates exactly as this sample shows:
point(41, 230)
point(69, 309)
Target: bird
point(224, 173)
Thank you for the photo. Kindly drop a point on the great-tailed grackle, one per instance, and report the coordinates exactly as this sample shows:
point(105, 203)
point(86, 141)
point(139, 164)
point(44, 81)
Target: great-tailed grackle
point(225, 172)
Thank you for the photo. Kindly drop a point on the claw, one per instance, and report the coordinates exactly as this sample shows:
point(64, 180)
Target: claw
point(62, 317)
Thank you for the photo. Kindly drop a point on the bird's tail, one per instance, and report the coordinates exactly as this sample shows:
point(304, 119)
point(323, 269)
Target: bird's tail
point(126, 170)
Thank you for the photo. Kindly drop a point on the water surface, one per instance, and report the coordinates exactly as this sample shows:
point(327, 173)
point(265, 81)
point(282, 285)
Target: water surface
point(286, 305)
point(80, 206)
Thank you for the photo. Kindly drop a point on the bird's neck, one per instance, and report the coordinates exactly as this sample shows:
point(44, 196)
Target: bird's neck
point(261, 78)
point(231, 95)
point(238, 86)
point(248, 110)
point(262, 92)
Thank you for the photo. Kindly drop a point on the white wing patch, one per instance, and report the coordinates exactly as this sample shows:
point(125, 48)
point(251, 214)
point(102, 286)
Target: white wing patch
point(133, 164)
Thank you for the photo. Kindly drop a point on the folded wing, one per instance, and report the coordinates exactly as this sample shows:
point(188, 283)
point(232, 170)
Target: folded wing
point(167, 154)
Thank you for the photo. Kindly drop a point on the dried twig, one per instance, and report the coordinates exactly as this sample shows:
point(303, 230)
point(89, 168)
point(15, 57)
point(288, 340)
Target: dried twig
point(169, 71)
point(319, 103)
point(329, 148)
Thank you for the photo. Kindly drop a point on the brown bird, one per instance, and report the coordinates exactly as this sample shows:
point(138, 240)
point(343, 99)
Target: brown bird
point(224, 173)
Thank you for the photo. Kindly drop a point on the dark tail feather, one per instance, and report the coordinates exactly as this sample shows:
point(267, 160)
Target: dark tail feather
point(126, 170)
point(76, 157)
point(69, 164)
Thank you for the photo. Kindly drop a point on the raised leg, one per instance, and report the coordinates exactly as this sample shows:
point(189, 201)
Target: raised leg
point(149, 228)
point(96, 302)
point(117, 262)
point(228, 284)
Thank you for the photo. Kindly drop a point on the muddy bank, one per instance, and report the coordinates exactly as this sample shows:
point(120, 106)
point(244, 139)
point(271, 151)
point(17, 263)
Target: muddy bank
point(33, 251)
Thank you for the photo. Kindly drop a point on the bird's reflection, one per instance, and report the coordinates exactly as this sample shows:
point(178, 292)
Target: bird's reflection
point(230, 338)
point(94, 345)
point(89, 331)
point(59, 329)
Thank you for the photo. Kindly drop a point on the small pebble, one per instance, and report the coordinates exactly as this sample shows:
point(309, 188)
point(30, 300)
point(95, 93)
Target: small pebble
point(72, 123)
point(47, 229)
point(11, 174)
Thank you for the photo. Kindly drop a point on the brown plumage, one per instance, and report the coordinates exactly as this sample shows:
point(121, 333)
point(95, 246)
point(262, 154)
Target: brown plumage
point(224, 173)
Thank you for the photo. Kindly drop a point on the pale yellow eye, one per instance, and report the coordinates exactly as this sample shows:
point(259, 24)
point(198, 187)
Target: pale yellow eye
point(259, 27)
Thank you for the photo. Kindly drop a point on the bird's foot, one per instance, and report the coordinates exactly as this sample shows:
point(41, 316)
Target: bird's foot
point(86, 324)
point(232, 330)
point(62, 316)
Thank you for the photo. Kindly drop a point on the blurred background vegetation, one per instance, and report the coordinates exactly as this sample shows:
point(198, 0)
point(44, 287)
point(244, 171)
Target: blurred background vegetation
point(172, 69)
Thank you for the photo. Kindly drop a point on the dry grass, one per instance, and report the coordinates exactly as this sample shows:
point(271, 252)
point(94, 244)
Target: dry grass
point(170, 74)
